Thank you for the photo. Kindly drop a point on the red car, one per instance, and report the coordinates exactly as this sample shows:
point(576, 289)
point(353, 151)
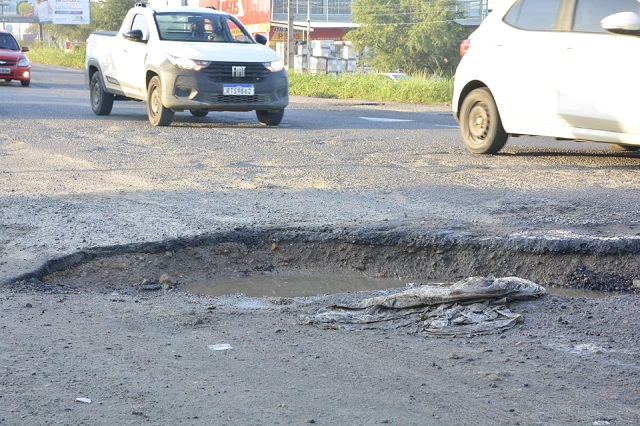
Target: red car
point(14, 65)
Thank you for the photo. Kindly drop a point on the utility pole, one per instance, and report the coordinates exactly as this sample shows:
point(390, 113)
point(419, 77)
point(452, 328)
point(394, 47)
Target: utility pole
point(290, 34)
point(309, 36)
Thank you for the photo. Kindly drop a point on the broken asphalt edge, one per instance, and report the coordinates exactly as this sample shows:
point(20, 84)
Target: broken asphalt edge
point(409, 239)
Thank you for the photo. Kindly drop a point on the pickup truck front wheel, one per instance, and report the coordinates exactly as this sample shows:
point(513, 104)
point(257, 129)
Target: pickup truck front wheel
point(101, 101)
point(270, 118)
point(158, 114)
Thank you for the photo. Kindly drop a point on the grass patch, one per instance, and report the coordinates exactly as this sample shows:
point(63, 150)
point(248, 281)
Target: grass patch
point(52, 56)
point(374, 87)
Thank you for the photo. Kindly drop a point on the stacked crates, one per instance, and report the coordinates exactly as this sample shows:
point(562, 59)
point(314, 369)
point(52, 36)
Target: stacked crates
point(327, 57)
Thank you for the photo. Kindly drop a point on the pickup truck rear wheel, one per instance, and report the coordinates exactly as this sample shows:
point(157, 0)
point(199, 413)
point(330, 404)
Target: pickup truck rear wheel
point(480, 123)
point(623, 147)
point(158, 114)
point(270, 118)
point(198, 112)
point(101, 101)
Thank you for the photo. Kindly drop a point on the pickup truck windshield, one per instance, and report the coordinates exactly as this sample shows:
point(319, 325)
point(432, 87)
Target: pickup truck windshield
point(201, 28)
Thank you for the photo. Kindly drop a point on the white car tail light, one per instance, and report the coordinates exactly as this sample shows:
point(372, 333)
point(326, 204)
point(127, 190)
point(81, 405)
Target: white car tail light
point(464, 46)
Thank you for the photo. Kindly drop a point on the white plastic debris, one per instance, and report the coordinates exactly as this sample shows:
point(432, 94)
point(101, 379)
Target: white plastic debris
point(220, 347)
point(84, 400)
point(472, 306)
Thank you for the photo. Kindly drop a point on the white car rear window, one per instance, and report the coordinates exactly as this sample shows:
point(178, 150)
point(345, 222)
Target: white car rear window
point(538, 15)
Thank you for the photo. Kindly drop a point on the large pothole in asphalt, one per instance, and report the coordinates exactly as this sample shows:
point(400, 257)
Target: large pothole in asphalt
point(307, 262)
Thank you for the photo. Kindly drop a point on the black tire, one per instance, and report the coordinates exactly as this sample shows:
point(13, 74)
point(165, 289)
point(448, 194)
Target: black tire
point(158, 114)
point(480, 123)
point(25, 83)
point(623, 147)
point(270, 118)
point(198, 112)
point(101, 101)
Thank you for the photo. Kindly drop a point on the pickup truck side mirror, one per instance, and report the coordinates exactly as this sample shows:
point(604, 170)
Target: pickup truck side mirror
point(261, 39)
point(133, 35)
point(627, 23)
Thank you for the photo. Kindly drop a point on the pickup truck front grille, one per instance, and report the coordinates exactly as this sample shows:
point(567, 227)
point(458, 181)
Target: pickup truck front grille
point(219, 99)
point(231, 72)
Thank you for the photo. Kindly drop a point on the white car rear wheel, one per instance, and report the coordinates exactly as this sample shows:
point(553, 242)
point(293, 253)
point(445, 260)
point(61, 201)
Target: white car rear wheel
point(480, 124)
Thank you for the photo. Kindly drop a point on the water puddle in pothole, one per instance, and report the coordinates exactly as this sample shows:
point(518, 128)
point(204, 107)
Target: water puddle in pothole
point(313, 285)
point(291, 286)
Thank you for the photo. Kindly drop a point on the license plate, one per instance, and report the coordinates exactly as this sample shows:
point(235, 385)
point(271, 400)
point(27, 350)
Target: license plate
point(5, 70)
point(238, 89)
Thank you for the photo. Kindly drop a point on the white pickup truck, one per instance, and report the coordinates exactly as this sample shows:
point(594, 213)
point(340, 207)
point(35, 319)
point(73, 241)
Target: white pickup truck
point(185, 59)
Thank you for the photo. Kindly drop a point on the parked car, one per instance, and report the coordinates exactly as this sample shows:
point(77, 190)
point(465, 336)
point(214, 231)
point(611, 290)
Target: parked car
point(396, 76)
point(560, 68)
point(14, 65)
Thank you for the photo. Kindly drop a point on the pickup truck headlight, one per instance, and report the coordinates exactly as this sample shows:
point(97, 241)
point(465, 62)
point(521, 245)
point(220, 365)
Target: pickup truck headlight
point(186, 63)
point(274, 66)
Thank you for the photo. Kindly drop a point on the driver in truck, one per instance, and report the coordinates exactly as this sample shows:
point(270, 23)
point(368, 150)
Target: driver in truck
point(197, 30)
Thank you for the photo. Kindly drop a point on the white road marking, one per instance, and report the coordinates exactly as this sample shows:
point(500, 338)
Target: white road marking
point(384, 120)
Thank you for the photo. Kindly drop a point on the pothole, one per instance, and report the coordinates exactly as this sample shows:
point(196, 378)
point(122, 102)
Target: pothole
point(308, 262)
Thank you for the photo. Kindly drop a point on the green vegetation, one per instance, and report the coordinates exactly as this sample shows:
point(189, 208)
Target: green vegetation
point(418, 36)
point(53, 56)
point(418, 90)
point(373, 87)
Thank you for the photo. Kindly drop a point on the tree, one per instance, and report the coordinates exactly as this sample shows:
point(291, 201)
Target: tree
point(109, 14)
point(413, 35)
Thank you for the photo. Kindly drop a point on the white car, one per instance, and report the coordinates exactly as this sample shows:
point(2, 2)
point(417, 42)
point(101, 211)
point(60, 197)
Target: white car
point(395, 76)
point(567, 69)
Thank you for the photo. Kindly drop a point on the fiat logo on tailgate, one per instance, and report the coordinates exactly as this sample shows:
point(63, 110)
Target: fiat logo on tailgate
point(237, 71)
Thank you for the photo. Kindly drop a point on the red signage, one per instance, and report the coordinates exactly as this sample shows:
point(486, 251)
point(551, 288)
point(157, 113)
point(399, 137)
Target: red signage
point(248, 11)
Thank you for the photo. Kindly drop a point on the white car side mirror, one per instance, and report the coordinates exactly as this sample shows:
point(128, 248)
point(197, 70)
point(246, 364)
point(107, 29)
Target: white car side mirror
point(622, 23)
